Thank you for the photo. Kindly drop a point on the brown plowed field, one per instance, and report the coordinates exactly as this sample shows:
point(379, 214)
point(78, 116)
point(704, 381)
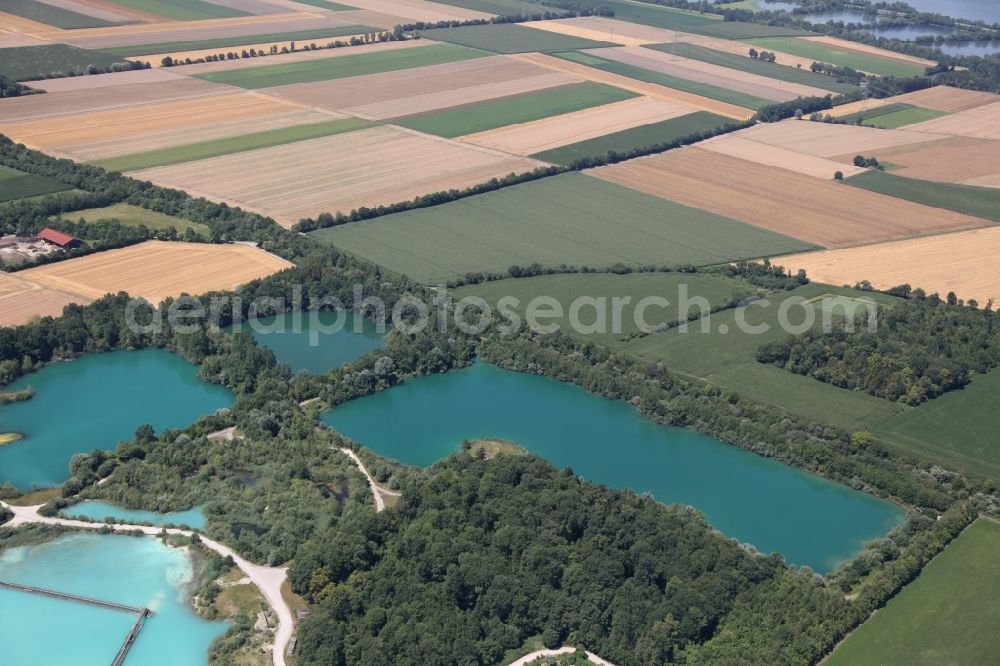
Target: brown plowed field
point(982, 122)
point(112, 97)
point(948, 262)
point(694, 102)
point(418, 10)
point(106, 10)
point(422, 89)
point(155, 270)
point(949, 100)
point(823, 212)
point(808, 165)
point(548, 133)
point(830, 140)
point(703, 72)
point(94, 81)
point(121, 124)
point(369, 167)
point(951, 160)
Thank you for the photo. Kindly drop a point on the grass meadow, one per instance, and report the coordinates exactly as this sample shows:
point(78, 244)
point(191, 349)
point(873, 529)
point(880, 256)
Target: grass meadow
point(726, 356)
point(230, 145)
point(570, 219)
point(328, 69)
point(946, 616)
point(718, 290)
point(134, 216)
point(957, 429)
point(483, 116)
point(17, 185)
point(832, 55)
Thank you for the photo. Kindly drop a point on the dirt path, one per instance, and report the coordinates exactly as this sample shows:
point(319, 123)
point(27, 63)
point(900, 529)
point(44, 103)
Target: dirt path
point(377, 490)
point(267, 579)
point(528, 658)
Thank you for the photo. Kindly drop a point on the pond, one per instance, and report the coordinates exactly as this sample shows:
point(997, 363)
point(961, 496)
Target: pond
point(810, 520)
point(96, 401)
point(135, 571)
point(98, 511)
point(307, 341)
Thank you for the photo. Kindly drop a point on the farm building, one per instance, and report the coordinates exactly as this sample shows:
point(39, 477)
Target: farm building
point(59, 239)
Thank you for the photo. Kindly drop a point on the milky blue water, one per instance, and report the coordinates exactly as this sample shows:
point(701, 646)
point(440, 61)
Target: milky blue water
point(136, 571)
point(97, 511)
point(810, 520)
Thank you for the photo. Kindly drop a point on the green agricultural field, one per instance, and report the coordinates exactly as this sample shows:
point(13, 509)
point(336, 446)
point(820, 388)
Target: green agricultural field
point(305, 36)
point(948, 615)
point(17, 185)
point(664, 131)
point(657, 16)
point(571, 219)
point(51, 15)
point(957, 429)
point(520, 109)
point(511, 38)
point(325, 4)
point(844, 58)
point(726, 355)
point(230, 145)
point(341, 67)
point(892, 116)
point(182, 10)
point(981, 202)
point(33, 62)
point(677, 83)
point(717, 290)
point(135, 216)
point(744, 63)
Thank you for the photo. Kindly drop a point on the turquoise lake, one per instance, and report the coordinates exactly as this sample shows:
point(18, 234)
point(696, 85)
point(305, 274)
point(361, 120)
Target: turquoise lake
point(98, 511)
point(809, 520)
point(96, 401)
point(307, 341)
point(129, 570)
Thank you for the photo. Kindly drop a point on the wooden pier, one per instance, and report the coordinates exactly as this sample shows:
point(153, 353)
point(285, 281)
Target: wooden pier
point(133, 633)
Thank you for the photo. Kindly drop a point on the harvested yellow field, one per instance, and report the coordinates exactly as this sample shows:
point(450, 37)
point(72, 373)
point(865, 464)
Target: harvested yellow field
point(22, 300)
point(155, 270)
point(952, 160)
point(761, 153)
point(179, 136)
point(547, 133)
point(601, 29)
point(694, 102)
point(958, 262)
point(110, 80)
point(380, 165)
point(423, 89)
point(299, 56)
point(156, 60)
point(949, 100)
point(419, 10)
point(118, 124)
point(870, 50)
point(830, 140)
point(982, 122)
point(819, 211)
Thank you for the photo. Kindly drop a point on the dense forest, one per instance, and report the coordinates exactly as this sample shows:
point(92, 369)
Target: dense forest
point(481, 555)
point(921, 348)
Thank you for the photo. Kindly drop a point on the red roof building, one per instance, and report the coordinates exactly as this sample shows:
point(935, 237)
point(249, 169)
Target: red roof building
point(65, 241)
